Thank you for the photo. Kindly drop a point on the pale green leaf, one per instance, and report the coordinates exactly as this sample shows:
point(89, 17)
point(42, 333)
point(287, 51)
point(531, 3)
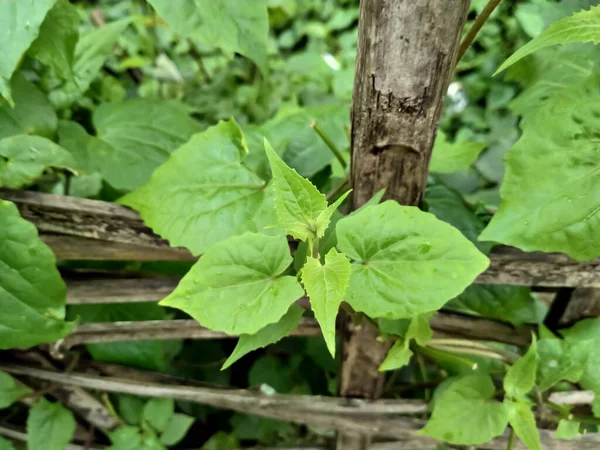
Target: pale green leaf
point(142, 134)
point(24, 158)
point(522, 421)
point(298, 202)
point(466, 414)
point(91, 51)
point(326, 285)
point(132, 438)
point(31, 114)
point(268, 335)
point(240, 26)
point(197, 208)
point(322, 222)
point(20, 22)
point(394, 248)
point(520, 377)
point(551, 190)
point(32, 293)
point(176, 429)
point(236, 286)
point(567, 429)
point(559, 360)
point(5, 444)
point(419, 329)
point(10, 390)
point(450, 157)
point(583, 26)
point(50, 426)
point(55, 45)
point(398, 356)
point(158, 412)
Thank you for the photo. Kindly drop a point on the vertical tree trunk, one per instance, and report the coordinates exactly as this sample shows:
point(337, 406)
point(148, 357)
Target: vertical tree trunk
point(405, 59)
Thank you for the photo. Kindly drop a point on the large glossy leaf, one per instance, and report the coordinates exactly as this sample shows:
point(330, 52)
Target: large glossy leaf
point(32, 293)
point(268, 335)
point(10, 390)
point(551, 191)
point(142, 134)
point(24, 158)
point(326, 285)
point(145, 354)
point(55, 45)
point(450, 157)
point(50, 426)
point(204, 193)
point(31, 114)
point(583, 26)
point(20, 22)
point(240, 26)
point(394, 248)
point(466, 414)
point(237, 287)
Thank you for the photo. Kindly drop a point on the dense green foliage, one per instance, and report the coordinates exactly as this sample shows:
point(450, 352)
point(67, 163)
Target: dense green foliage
point(225, 124)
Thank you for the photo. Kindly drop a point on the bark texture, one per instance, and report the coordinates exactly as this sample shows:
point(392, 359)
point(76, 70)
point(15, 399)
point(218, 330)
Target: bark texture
point(406, 55)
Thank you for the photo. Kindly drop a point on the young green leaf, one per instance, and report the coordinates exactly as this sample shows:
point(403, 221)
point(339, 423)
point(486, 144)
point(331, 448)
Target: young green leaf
point(55, 45)
point(5, 444)
point(560, 360)
point(237, 287)
point(298, 202)
point(222, 441)
point(394, 248)
point(522, 421)
point(130, 408)
point(158, 412)
point(236, 26)
point(31, 114)
point(132, 438)
point(50, 426)
point(465, 414)
point(268, 335)
point(10, 390)
point(326, 285)
point(176, 429)
point(583, 26)
point(32, 293)
point(322, 222)
point(567, 429)
point(198, 208)
point(520, 377)
point(24, 158)
point(21, 20)
point(450, 157)
point(398, 356)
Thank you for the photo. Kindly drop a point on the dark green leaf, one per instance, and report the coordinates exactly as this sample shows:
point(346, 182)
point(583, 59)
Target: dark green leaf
point(158, 412)
point(176, 429)
point(50, 426)
point(10, 390)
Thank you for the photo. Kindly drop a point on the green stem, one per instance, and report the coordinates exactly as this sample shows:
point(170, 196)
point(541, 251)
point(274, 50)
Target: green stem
point(472, 34)
point(336, 151)
point(511, 440)
point(424, 377)
point(315, 248)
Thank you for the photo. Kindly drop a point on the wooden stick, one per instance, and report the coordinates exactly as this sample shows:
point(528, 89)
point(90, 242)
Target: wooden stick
point(474, 30)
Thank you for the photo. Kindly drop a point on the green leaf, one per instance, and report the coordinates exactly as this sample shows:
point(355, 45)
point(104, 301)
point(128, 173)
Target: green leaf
point(465, 414)
point(20, 22)
point(142, 134)
point(145, 354)
point(130, 408)
point(298, 202)
point(394, 248)
point(176, 429)
point(322, 222)
point(326, 285)
point(24, 158)
point(583, 26)
point(559, 360)
point(268, 335)
point(32, 293)
point(198, 208)
point(522, 421)
point(55, 45)
point(91, 51)
point(450, 157)
point(551, 190)
point(31, 114)
point(221, 441)
point(520, 377)
point(158, 412)
point(237, 287)
point(5, 444)
point(398, 356)
point(50, 426)
point(131, 438)
point(10, 390)
point(567, 429)
point(240, 26)
point(419, 329)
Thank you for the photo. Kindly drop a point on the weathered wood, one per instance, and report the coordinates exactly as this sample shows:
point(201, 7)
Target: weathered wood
point(106, 289)
point(406, 55)
point(583, 304)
